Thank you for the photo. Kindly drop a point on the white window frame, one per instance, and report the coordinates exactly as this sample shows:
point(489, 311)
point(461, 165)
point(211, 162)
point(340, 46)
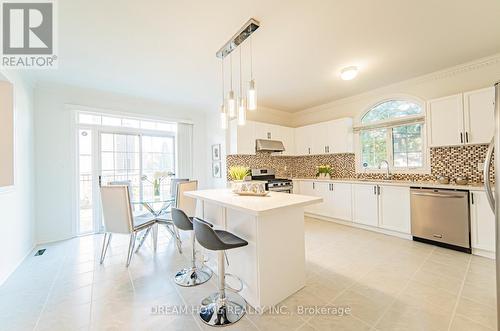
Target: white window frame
point(389, 124)
point(96, 130)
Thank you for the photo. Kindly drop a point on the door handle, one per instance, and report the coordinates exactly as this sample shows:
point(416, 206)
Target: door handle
point(375, 190)
point(437, 195)
point(437, 236)
point(313, 186)
point(472, 197)
point(378, 190)
point(486, 174)
point(466, 136)
point(309, 150)
point(461, 138)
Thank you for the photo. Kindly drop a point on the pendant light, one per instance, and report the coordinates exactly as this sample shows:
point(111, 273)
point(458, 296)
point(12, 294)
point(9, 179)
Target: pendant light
point(223, 114)
point(242, 111)
point(231, 101)
point(252, 93)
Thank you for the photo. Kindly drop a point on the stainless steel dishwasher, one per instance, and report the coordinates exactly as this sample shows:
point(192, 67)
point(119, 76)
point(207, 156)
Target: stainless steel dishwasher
point(441, 217)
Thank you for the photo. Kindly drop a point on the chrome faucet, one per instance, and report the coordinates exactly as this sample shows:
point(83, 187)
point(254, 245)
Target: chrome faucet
point(388, 172)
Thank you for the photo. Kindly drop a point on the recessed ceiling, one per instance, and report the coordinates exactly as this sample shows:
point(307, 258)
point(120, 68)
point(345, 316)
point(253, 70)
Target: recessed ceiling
point(165, 50)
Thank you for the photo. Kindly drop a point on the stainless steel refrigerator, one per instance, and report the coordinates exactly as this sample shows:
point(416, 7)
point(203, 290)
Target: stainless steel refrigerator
point(494, 195)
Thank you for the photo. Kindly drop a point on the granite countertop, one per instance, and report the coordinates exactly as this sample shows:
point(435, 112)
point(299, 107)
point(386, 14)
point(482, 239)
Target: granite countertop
point(429, 184)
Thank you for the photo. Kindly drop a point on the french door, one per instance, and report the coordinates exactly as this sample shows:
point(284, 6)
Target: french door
point(107, 156)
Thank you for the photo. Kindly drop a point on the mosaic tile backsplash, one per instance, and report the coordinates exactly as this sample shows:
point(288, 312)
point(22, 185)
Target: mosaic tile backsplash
point(445, 161)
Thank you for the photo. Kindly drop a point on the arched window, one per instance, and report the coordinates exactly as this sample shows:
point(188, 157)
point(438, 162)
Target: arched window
point(393, 131)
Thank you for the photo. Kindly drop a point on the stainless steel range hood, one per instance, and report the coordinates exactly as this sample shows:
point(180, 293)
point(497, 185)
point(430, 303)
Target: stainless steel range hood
point(264, 145)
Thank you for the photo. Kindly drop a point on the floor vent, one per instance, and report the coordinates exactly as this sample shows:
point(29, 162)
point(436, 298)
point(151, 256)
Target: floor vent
point(40, 252)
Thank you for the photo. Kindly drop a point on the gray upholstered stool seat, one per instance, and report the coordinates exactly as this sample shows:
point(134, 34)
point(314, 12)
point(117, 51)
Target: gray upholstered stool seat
point(193, 275)
point(221, 308)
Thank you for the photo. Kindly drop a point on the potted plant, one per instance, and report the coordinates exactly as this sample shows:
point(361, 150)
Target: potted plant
point(324, 171)
point(238, 173)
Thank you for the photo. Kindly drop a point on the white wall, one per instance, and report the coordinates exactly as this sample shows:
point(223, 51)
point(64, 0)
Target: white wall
point(17, 204)
point(469, 76)
point(55, 177)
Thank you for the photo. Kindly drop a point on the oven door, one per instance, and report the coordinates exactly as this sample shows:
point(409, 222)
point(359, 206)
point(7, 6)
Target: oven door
point(282, 189)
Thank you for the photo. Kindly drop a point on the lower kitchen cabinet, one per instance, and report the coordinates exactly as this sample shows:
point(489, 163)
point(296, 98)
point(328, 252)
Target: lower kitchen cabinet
point(341, 204)
point(365, 204)
point(394, 208)
point(482, 222)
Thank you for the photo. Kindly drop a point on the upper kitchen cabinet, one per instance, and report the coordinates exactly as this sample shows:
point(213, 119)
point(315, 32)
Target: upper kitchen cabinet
point(241, 138)
point(325, 138)
point(340, 136)
point(445, 121)
point(460, 119)
point(479, 108)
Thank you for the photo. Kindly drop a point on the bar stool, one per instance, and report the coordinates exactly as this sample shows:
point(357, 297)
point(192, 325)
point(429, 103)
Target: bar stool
point(193, 275)
point(221, 308)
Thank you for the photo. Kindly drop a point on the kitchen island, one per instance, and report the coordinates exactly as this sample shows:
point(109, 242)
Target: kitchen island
point(272, 266)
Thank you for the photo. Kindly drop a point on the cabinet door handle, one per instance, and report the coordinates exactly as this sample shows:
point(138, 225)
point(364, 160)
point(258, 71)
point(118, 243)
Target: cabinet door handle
point(309, 150)
point(461, 138)
point(375, 190)
point(466, 136)
point(313, 186)
point(471, 198)
point(378, 190)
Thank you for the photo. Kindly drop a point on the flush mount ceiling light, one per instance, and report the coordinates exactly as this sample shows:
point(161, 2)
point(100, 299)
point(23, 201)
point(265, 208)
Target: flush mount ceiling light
point(237, 107)
point(349, 73)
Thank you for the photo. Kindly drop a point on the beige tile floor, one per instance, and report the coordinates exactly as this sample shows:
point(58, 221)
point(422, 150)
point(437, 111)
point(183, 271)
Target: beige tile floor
point(386, 282)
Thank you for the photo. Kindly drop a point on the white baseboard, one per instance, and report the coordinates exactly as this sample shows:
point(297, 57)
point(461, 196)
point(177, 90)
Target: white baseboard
point(361, 226)
point(483, 253)
point(30, 251)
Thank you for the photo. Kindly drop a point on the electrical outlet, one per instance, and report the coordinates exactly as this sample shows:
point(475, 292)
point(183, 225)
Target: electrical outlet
point(480, 166)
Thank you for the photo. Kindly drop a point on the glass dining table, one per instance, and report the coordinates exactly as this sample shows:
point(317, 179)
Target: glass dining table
point(159, 209)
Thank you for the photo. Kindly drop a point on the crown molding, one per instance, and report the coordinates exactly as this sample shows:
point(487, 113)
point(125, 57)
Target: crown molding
point(437, 75)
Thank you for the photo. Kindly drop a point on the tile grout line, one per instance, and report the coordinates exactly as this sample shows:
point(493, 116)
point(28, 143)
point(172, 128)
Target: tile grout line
point(398, 294)
point(454, 312)
point(50, 291)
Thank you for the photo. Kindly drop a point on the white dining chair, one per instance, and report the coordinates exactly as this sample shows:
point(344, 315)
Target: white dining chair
point(119, 218)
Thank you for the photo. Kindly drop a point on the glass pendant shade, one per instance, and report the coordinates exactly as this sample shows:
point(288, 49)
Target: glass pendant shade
point(242, 111)
point(231, 104)
point(223, 117)
point(252, 96)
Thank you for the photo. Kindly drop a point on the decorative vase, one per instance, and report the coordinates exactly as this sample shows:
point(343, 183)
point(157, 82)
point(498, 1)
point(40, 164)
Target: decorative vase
point(156, 188)
point(324, 176)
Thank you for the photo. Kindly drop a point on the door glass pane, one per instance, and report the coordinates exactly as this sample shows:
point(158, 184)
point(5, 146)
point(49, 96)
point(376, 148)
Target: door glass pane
point(86, 219)
point(158, 156)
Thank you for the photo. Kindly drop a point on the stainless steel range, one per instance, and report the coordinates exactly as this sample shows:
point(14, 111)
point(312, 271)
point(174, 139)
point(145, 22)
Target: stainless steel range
point(272, 183)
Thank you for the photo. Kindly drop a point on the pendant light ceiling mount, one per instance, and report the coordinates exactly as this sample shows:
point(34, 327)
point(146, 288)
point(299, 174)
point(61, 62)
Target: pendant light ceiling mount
point(246, 31)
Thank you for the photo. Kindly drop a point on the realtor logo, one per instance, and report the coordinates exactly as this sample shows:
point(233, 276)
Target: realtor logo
point(28, 34)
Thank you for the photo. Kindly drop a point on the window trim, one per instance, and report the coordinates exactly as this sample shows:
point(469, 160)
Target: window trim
point(389, 124)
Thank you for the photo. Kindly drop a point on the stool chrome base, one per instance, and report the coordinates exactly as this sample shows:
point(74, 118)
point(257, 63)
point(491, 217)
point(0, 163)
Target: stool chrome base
point(215, 311)
point(192, 276)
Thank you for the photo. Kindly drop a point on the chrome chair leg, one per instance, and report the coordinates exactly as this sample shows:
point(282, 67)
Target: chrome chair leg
point(105, 244)
point(141, 242)
point(155, 236)
point(222, 308)
point(131, 248)
point(193, 275)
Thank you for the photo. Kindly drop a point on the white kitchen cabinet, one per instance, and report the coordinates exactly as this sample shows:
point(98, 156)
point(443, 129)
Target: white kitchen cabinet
point(479, 116)
point(241, 138)
point(341, 201)
point(482, 222)
point(319, 144)
point(465, 118)
point(325, 138)
point(322, 190)
point(303, 139)
point(394, 208)
point(340, 136)
point(266, 131)
point(287, 136)
point(365, 204)
point(445, 121)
